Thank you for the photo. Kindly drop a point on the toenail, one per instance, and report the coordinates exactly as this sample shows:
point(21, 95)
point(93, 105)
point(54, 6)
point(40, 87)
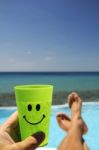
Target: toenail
point(62, 117)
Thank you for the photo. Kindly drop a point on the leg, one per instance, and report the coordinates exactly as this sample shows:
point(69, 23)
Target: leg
point(73, 140)
point(76, 129)
point(85, 147)
point(74, 99)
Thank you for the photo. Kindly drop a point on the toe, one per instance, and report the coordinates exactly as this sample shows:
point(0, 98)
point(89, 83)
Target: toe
point(73, 97)
point(77, 98)
point(62, 116)
point(70, 100)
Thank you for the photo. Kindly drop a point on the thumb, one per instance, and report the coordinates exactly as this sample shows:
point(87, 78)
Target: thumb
point(30, 143)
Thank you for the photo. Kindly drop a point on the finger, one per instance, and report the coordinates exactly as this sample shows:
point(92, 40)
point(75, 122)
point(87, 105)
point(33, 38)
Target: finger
point(11, 126)
point(30, 143)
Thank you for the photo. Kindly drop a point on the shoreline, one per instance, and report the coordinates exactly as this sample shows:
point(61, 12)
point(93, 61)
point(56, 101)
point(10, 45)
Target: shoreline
point(59, 97)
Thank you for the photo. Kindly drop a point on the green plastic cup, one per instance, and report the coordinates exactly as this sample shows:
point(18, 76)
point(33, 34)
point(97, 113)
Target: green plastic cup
point(34, 107)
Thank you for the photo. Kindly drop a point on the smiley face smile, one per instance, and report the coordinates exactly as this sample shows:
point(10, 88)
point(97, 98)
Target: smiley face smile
point(35, 122)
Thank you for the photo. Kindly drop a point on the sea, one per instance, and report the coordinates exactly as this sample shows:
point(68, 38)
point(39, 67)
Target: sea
point(62, 81)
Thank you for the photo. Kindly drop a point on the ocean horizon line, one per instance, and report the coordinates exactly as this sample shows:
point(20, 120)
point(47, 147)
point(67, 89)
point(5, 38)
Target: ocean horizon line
point(49, 73)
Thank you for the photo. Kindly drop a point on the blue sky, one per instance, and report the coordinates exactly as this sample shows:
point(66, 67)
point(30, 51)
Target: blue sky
point(49, 35)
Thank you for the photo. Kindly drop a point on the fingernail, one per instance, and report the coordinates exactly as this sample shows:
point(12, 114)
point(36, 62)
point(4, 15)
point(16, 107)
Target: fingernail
point(39, 136)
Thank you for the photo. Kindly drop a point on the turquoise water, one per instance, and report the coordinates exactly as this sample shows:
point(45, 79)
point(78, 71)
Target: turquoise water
point(61, 81)
point(90, 114)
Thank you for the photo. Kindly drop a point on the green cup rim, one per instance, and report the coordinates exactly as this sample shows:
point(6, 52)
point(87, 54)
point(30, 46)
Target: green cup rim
point(33, 87)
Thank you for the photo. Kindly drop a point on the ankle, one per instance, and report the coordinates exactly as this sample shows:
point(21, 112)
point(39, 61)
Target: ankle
point(76, 116)
point(75, 131)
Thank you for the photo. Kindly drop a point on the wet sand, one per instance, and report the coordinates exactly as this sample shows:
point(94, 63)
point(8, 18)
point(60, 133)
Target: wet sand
point(59, 97)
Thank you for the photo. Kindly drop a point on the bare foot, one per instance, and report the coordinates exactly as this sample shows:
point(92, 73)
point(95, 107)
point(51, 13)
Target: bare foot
point(64, 121)
point(75, 103)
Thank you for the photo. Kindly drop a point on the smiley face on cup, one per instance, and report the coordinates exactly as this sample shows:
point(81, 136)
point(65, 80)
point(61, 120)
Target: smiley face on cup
point(30, 108)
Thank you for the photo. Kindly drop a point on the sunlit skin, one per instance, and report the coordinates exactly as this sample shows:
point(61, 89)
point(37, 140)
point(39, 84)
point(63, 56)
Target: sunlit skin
point(74, 126)
point(10, 136)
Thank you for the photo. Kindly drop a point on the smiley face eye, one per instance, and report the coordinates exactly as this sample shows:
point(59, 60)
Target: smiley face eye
point(38, 107)
point(29, 107)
